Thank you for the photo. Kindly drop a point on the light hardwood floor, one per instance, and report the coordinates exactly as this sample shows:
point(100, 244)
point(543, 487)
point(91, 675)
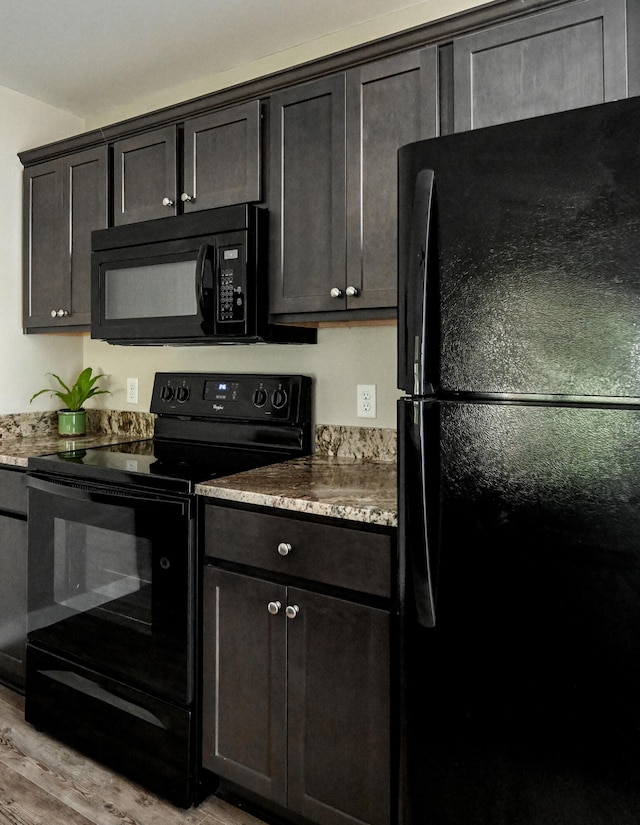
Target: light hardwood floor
point(45, 783)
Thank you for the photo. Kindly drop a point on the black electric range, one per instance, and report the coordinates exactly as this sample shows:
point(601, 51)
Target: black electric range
point(207, 426)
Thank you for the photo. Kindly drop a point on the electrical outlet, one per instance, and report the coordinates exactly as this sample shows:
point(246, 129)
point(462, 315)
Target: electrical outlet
point(132, 390)
point(366, 401)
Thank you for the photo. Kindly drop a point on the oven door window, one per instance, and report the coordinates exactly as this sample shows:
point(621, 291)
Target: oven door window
point(103, 571)
point(111, 583)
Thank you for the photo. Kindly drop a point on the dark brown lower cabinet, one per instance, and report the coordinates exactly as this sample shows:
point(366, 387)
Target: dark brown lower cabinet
point(13, 576)
point(296, 697)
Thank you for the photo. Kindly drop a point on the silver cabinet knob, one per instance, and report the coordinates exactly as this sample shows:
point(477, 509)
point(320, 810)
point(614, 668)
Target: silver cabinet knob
point(167, 202)
point(291, 611)
point(284, 548)
point(59, 313)
point(352, 291)
point(274, 607)
point(335, 292)
point(185, 197)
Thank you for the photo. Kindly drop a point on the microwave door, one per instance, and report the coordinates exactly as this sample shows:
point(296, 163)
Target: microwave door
point(149, 297)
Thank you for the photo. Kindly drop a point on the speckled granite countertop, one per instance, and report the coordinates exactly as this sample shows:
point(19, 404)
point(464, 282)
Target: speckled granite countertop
point(352, 474)
point(25, 435)
point(339, 487)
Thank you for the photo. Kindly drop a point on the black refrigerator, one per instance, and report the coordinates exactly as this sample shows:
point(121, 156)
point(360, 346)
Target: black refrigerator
point(519, 472)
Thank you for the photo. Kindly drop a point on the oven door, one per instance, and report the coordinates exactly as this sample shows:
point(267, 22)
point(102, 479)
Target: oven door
point(112, 582)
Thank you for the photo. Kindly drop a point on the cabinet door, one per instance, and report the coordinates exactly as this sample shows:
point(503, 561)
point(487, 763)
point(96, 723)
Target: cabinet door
point(567, 57)
point(64, 201)
point(339, 710)
point(307, 204)
point(145, 176)
point(389, 103)
point(43, 245)
point(13, 598)
point(85, 208)
point(222, 158)
point(244, 684)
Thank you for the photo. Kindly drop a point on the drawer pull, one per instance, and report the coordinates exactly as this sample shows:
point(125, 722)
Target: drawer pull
point(274, 607)
point(284, 548)
point(291, 611)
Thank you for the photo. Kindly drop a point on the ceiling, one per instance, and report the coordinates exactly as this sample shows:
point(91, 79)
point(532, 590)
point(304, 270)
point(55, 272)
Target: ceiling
point(86, 56)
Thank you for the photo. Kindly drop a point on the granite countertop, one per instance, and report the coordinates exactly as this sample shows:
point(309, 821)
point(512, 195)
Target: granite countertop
point(338, 487)
point(25, 435)
point(352, 474)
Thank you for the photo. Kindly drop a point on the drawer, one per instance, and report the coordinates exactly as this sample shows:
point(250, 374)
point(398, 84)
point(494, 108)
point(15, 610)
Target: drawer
point(339, 556)
point(13, 491)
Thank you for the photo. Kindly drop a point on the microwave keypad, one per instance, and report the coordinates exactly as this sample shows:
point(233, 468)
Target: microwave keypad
point(230, 297)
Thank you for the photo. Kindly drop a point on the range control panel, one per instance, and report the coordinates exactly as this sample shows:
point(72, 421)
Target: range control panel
point(219, 396)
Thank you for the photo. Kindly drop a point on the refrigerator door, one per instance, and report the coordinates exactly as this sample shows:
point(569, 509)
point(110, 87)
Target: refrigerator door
point(537, 232)
point(522, 700)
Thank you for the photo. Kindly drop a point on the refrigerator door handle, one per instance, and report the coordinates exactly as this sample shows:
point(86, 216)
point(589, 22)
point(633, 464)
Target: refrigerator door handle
point(415, 528)
point(412, 298)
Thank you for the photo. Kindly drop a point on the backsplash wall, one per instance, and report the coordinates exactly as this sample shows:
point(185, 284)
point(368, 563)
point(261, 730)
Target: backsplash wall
point(342, 358)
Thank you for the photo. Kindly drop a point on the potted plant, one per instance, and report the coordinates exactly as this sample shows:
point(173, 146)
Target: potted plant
point(72, 420)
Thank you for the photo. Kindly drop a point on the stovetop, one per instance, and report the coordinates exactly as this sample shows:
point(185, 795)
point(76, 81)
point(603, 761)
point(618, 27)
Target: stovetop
point(208, 426)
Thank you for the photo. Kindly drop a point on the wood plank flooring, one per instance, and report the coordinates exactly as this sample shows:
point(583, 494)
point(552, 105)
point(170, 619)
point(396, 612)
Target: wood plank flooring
point(45, 783)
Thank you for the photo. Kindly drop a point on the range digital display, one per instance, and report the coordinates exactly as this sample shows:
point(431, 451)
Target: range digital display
point(220, 390)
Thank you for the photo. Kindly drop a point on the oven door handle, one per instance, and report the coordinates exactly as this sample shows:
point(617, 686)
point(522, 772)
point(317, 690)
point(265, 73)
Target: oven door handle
point(83, 491)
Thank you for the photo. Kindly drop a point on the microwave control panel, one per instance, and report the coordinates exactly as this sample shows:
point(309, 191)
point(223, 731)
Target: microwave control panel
point(231, 302)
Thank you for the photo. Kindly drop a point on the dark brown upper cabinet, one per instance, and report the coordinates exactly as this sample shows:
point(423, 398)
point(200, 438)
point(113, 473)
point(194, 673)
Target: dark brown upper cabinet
point(390, 103)
point(64, 201)
point(563, 58)
point(208, 161)
point(333, 172)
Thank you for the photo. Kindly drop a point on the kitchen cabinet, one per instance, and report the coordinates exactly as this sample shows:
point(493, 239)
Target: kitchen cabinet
point(333, 171)
point(13, 576)
point(296, 669)
point(335, 126)
point(208, 161)
point(64, 201)
point(565, 57)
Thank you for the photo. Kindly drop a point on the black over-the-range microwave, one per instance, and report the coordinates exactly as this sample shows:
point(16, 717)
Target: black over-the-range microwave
point(199, 278)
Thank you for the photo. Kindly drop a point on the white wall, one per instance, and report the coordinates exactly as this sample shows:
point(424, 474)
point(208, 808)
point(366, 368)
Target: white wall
point(25, 359)
point(342, 358)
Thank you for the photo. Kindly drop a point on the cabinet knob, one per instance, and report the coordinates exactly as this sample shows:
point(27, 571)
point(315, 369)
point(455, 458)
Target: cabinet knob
point(167, 202)
point(284, 548)
point(352, 291)
point(274, 607)
point(336, 293)
point(291, 611)
point(185, 197)
point(59, 313)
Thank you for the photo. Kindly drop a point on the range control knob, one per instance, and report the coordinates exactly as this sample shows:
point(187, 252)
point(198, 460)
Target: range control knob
point(260, 397)
point(167, 393)
point(182, 394)
point(279, 398)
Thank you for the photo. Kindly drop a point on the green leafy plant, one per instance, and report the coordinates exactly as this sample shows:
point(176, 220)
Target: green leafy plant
point(74, 397)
